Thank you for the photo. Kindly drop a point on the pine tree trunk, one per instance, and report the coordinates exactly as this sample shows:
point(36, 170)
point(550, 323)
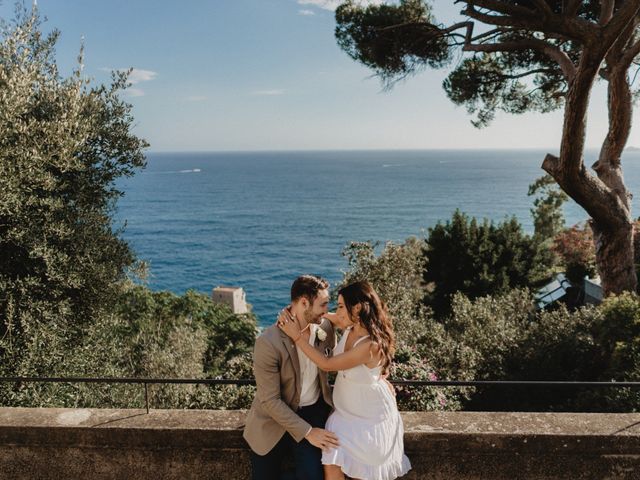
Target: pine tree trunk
point(604, 197)
point(615, 258)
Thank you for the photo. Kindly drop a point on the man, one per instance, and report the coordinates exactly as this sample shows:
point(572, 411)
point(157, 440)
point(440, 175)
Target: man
point(293, 398)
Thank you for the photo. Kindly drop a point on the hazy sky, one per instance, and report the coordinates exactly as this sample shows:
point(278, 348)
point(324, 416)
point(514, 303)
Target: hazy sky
point(268, 75)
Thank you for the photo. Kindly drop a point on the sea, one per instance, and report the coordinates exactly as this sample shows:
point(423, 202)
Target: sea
point(257, 220)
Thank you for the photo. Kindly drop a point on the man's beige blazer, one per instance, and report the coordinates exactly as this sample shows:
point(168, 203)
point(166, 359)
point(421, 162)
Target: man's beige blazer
point(277, 372)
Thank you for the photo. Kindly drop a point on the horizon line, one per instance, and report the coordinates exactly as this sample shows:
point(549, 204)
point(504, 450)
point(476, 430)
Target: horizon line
point(328, 150)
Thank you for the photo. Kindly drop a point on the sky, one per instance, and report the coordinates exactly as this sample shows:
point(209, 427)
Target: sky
point(244, 75)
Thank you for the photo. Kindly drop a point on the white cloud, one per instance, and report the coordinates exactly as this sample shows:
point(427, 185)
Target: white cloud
point(195, 98)
point(138, 75)
point(333, 4)
point(134, 92)
point(268, 92)
point(306, 12)
point(326, 4)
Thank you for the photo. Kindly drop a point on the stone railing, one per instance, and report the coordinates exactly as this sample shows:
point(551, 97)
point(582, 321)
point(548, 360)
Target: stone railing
point(206, 444)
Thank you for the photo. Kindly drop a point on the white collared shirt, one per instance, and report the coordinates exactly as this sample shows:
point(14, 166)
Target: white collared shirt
point(310, 391)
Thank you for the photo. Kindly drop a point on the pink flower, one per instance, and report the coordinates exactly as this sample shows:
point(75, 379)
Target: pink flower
point(433, 377)
point(443, 401)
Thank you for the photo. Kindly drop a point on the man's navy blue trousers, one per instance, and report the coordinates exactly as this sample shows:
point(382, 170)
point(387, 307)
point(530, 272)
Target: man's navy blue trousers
point(306, 457)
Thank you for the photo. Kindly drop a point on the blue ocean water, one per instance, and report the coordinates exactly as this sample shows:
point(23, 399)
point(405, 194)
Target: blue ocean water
point(258, 220)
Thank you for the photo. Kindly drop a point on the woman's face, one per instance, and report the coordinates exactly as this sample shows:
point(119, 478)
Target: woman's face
point(342, 319)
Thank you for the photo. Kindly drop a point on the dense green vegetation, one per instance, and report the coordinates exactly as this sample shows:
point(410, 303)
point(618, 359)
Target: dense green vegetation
point(479, 258)
point(70, 305)
point(62, 144)
point(463, 308)
point(501, 336)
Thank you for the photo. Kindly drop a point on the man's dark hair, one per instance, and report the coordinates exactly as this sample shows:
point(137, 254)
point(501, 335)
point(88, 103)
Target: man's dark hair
point(307, 286)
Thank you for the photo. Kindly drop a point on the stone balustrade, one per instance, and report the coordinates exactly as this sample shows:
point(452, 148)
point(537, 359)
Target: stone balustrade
point(100, 444)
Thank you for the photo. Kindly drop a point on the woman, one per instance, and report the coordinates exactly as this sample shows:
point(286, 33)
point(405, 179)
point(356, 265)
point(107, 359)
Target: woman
point(366, 419)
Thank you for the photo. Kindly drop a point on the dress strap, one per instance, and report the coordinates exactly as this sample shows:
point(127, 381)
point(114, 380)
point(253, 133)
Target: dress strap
point(359, 340)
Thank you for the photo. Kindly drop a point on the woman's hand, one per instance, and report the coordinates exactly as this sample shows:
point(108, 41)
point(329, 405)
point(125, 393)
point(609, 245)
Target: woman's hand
point(288, 324)
point(284, 316)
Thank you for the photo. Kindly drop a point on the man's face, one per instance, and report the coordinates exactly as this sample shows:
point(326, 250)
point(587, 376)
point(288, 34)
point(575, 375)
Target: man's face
point(319, 307)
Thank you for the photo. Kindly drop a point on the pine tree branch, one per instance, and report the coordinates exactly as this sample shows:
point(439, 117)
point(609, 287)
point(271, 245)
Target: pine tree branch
point(500, 7)
point(620, 112)
point(631, 53)
point(554, 53)
point(543, 7)
point(574, 28)
point(618, 23)
point(606, 11)
point(570, 7)
point(490, 33)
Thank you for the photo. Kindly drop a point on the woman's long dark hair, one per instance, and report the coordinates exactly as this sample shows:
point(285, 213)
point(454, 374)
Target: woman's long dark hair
point(374, 317)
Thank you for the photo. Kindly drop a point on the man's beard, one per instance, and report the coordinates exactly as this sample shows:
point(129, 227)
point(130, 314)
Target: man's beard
point(309, 317)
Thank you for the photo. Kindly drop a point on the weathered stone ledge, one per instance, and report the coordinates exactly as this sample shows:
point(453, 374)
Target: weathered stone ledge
point(199, 444)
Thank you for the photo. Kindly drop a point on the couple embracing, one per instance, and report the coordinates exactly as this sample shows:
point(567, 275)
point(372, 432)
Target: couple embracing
point(356, 430)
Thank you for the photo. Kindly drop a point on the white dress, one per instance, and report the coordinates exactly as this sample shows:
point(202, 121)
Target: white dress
point(367, 423)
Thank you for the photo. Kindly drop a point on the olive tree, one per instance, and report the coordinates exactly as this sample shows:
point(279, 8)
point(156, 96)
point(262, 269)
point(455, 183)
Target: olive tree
point(63, 144)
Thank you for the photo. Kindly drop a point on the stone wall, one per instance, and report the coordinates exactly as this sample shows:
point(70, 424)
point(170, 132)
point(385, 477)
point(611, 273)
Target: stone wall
point(190, 444)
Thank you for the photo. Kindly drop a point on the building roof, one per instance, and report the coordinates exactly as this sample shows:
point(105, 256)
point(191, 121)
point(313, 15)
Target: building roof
point(593, 290)
point(553, 291)
point(226, 289)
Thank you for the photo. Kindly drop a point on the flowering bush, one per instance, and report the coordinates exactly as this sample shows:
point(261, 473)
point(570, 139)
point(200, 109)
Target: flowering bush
point(409, 365)
point(575, 247)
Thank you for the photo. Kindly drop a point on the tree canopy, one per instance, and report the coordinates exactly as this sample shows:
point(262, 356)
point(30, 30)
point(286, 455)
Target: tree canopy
point(520, 56)
point(479, 259)
point(63, 144)
point(68, 306)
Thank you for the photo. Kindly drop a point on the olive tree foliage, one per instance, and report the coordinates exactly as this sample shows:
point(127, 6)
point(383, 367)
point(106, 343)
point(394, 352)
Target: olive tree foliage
point(67, 304)
point(396, 275)
point(425, 350)
point(520, 56)
point(63, 143)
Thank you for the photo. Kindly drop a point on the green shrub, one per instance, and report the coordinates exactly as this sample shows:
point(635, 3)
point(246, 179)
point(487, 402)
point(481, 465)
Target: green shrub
point(410, 365)
point(492, 328)
point(618, 337)
point(558, 346)
point(150, 334)
point(479, 259)
point(396, 275)
point(424, 347)
point(228, 397)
